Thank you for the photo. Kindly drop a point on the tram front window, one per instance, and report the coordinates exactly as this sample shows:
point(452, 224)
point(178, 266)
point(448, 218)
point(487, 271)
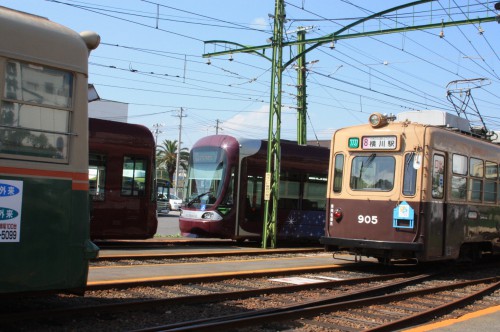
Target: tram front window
point(373, 173)
point(205, 181)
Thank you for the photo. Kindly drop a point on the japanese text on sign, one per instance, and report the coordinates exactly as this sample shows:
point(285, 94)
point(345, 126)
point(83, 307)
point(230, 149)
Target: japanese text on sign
point(379, 143)
point(11, 193)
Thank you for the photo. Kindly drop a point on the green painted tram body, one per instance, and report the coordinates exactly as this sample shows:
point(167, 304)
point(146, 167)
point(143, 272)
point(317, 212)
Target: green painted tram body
point(44, 202)
point(54, 246)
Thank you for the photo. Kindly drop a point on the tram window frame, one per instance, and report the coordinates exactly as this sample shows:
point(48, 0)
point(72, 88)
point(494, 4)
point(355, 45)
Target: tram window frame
point(460, 170)
point(134, 189)
point(476, 167)
point(438, 179)
point(45, 140)
point(314, 192)
point(289, 190)
point(475, 186)
point(98, 163)
point(459, 164)
point(409, 175)
point(490, 193)
point(255, 188)
point(338, 172)
point(375, 168)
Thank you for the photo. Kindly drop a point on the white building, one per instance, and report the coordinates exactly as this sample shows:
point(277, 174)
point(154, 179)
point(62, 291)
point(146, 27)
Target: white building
point(106, 109)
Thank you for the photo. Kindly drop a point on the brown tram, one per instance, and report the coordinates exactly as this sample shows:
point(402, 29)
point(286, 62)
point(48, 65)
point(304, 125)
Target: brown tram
point(419, 186)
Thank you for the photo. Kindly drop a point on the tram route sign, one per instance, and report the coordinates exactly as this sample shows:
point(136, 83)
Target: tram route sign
point(379, 143)
point(353, 142)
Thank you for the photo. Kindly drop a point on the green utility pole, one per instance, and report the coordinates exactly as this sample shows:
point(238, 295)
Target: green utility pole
point(273, 156)
point(301, 90)
point(272, 179)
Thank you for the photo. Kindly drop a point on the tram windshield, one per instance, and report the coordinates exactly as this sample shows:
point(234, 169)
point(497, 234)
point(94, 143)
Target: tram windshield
point(205, 178)
point(373, 173)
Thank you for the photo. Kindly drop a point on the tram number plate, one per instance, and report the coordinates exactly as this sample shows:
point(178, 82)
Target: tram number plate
point(367, 219)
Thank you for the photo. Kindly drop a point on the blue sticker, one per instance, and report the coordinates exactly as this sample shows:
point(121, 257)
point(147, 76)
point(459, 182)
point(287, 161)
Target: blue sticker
point(8, 190)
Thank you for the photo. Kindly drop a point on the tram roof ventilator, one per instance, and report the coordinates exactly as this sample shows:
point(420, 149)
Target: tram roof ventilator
point(436, 118)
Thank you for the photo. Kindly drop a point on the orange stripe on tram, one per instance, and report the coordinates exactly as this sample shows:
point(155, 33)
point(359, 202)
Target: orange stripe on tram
point(80, 180)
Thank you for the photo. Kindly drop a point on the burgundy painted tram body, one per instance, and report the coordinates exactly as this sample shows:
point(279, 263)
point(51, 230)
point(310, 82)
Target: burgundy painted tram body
point(225, 187)
point(410, 189)
point(121, 176)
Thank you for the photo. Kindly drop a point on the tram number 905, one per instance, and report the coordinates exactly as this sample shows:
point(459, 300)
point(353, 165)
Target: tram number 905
point(367, 219)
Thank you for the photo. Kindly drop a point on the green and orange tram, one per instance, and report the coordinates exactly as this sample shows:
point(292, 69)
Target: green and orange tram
point(44, 204)
point(420, 185)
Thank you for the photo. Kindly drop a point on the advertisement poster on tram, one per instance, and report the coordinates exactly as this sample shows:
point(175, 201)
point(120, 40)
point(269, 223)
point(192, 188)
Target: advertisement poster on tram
point(11, 201)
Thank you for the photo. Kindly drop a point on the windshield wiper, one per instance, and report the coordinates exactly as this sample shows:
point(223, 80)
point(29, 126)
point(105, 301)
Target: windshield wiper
point(197, 197)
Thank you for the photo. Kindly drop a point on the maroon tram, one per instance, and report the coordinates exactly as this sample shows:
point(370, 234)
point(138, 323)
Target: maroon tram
point(421, 187)
point(121, 177)
point(225, 185)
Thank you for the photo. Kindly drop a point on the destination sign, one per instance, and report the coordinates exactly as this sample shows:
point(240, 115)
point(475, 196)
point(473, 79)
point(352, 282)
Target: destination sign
point(205, 156)
point(379, 143)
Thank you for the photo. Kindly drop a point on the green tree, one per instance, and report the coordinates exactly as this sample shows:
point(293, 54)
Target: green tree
point(166, 157)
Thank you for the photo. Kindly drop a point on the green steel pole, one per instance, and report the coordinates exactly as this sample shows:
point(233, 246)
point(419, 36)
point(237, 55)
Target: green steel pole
point(301, 90)
point(272, 178)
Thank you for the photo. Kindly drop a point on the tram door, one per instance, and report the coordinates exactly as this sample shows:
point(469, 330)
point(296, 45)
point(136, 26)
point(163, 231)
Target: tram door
point(436, 217)
point(251, 208)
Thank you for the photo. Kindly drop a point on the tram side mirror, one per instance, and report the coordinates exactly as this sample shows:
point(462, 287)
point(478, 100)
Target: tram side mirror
point(417, 161)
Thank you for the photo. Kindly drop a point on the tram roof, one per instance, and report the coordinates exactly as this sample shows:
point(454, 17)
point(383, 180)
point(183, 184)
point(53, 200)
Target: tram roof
point(37, 39)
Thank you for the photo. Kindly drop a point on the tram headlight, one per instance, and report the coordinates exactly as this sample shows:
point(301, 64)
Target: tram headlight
point(377, 120)
point(207, 215)
point(211, 215)
point(338, 214)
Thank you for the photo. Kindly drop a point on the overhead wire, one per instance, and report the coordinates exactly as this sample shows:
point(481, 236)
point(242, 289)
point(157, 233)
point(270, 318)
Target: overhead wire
point(384, 16)
point(234, 85)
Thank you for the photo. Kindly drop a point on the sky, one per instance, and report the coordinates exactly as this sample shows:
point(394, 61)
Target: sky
point(151, 57)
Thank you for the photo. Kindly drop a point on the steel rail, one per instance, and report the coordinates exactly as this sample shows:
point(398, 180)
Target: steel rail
point(318, 307)
point(204, 254)
point(190, 299)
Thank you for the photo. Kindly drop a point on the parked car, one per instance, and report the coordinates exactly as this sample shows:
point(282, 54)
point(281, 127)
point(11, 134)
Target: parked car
point(175, 202)
point(162, 204)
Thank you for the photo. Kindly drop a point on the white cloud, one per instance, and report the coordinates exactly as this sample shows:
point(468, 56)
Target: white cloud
point(249, 124)
point(260, 23)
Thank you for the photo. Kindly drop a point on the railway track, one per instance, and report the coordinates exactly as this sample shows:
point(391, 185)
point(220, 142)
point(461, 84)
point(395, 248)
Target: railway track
point(149, 254)
point(358, 301)
point(194, 269)
point(370, 313)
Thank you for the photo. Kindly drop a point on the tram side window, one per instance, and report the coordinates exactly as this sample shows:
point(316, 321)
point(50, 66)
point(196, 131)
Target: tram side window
point(476, 167)
point(228, 198)
point(459, 179)
point(410, 175)
point(97, 176)
point(134, 176)
point(338, 173)
point(490, 184)
point(35, 109)
point(254, 191)
point(314, 197)
point(438, 176)
point(289, 191)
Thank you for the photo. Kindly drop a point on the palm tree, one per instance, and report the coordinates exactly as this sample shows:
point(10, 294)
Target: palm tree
point(166, 157)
